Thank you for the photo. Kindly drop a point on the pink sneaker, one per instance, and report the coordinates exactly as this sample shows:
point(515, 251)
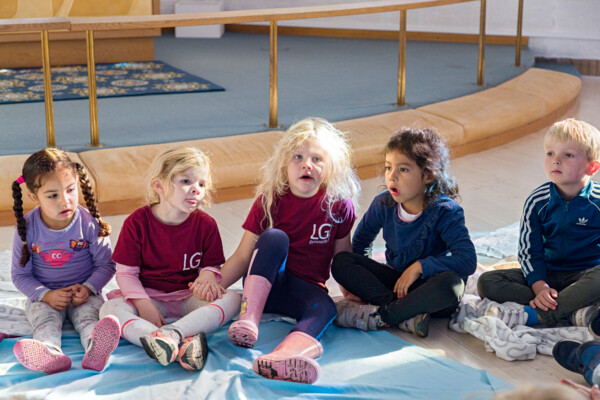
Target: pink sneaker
point(36, 356)
point(105, 338)
point(193, 352)
point(161, 347)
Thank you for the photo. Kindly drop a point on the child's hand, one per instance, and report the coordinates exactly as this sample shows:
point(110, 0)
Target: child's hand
point(544, 296)
point(148, 311)
point(80, 294)
point(206, 288)
point(410, 275)
point(58, 299)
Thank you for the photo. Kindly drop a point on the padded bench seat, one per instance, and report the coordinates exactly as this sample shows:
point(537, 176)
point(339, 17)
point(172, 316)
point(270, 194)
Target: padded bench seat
point(472, 123)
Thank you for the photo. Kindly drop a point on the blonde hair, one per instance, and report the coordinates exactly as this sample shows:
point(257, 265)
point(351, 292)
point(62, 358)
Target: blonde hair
point(340, 180)
point(585, 135)
point(550, 392)
point(172, 162)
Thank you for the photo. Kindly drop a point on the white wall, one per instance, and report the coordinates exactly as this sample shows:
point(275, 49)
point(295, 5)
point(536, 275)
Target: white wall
point(556, 28)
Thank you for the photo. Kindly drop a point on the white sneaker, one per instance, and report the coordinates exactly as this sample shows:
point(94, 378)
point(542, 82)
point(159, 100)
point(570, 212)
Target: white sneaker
point(419, 325)
point(351, 314)
point(512, 314)
point(583, 316)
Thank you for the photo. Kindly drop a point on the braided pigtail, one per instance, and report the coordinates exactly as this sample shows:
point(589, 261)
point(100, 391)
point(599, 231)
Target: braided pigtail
point(21, 224)
point(90, 199)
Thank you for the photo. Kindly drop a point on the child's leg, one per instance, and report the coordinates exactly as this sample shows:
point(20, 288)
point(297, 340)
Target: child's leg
point(46, 323)
point(201, 316)
point(268, 259)
point(505, 285)
point(98, 337)
point(84, 317)
point(132, 326)
point(185, 338)
point(439, 293)
point(293, 358)
point(576, 290)
point(368, 279)
point(43, 353)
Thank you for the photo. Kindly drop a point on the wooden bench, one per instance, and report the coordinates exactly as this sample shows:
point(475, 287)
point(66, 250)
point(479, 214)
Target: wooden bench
point(19, 50)
point(472, 123)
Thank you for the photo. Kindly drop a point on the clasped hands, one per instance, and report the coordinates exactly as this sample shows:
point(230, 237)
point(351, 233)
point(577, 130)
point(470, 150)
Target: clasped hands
point(59, 299)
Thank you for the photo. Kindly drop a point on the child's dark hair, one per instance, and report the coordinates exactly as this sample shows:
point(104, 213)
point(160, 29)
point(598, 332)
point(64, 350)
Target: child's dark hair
point(37, 166)
point(429, 152)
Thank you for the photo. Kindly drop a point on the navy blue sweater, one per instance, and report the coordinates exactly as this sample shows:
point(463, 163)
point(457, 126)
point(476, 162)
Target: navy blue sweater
point(438, 239)
point(557, 235)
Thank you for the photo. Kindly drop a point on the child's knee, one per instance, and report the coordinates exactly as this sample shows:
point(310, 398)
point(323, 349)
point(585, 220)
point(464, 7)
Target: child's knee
point(340, 261)
point(273, 239)
point(485, 285)
point(453, 285)
point(111, 307)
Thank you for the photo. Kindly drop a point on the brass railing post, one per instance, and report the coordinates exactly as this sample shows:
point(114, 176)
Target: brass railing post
point(50, 138)
point(273, 76)
point(93, 100)
point(519, 35)
point(402, 60)
point(481, 63)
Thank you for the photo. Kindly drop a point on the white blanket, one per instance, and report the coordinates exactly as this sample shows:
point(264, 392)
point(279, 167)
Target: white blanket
point(519, 343)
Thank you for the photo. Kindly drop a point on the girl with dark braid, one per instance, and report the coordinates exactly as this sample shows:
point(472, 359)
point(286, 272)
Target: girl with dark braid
point(61, 261)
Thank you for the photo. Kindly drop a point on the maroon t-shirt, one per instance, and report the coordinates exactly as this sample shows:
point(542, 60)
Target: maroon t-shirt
point(312, 232)
point(169, 256)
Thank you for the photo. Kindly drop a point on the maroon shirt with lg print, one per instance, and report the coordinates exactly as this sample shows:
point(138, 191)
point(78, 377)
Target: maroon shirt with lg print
point(311, 231)
point(169, 256)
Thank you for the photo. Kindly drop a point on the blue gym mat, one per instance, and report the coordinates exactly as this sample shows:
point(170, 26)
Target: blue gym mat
point(355, 365)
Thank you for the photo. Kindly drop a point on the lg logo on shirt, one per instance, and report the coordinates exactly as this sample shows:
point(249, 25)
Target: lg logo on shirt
point(320, 234)
point(193, 262)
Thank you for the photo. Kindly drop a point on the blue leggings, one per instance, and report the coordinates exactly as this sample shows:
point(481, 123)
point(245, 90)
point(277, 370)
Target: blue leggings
point(306, 302)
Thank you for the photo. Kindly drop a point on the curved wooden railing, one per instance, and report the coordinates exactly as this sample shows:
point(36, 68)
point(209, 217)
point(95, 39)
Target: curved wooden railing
point(92, 24)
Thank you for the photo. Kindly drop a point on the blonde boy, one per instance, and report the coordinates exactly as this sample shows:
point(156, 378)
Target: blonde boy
point(559, 241)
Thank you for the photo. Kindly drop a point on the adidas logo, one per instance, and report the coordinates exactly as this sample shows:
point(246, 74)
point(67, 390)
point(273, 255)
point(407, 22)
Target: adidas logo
point(582, 221)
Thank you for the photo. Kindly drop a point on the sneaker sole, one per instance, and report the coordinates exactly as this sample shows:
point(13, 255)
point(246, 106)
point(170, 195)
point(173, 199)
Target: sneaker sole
point(105, 339)
point(243, 333)
point(422, 327)
point(158, 350)
point(34, 355)
point(589, 354)
point(193, 353)
point(295, 369)
point(565, 354)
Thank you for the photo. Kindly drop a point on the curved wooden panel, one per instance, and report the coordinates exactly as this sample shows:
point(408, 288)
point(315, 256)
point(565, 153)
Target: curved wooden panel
point(241, 16)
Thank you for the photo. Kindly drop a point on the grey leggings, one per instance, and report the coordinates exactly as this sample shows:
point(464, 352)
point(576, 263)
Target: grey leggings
point(576, 289)
point(47, 322)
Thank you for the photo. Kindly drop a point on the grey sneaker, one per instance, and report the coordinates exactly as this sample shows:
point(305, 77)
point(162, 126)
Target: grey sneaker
point(355, 315)
point(161, 347)
point(419, 325)
point(512, 314)
point(583, 316)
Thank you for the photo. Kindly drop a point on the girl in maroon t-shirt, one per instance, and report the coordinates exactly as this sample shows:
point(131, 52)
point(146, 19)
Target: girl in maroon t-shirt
point(301, 218)
point(161, 249)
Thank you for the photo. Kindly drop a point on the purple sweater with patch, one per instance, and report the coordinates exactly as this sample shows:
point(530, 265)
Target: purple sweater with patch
point(62, 258)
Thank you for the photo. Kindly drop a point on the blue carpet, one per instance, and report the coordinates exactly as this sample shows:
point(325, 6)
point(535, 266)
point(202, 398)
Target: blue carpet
point(112, 80)
point(355, 365)
point(333, 78)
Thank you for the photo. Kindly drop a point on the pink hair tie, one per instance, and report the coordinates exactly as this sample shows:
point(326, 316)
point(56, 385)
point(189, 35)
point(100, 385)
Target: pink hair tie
point(20, 180)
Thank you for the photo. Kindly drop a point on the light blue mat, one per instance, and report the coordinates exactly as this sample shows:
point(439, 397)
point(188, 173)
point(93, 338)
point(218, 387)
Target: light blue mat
point(355, 365)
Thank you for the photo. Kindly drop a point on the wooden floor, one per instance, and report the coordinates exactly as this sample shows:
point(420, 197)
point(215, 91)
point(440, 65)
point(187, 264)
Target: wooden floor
point(493, 186)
